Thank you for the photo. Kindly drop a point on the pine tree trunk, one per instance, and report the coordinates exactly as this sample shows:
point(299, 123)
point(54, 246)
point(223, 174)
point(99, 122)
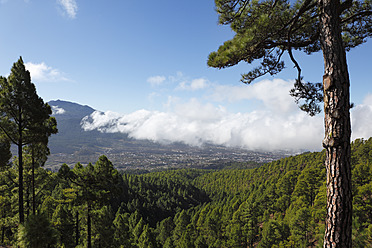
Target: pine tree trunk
point(2, 234)
point(89, 224)
point(20, 182)
point(20, 169)
point(27, 198)
point(33, 181)
point(77, 229)
point(337, 128)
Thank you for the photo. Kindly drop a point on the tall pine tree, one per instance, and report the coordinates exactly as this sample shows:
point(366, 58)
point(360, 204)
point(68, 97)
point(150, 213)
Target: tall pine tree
point(265, 30)
point(24, 117)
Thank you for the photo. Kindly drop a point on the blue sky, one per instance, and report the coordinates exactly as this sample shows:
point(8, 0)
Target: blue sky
point(144, 63)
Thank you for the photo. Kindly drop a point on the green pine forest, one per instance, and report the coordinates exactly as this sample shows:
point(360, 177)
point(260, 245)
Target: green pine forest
point(279, 204)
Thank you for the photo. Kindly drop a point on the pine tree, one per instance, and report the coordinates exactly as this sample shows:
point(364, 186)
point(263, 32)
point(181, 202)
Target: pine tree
point(24, 117)
point(146, 239)
point(121, 225)
point(96, 186)
point(64, 223)
point(38, 153)
point(165, 230)
point(265, 30)
point(37, 232)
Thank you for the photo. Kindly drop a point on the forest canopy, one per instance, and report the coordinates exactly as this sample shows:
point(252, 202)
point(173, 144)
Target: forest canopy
point(279, 204)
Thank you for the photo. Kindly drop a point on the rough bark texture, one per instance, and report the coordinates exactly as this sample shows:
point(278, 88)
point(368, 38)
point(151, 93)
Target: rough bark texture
point(337, 128)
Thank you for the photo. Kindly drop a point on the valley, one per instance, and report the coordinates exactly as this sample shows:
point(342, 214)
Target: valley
point(72, 144)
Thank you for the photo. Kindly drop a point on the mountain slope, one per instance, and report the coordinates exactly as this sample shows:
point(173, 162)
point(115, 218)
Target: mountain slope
point(71, 138)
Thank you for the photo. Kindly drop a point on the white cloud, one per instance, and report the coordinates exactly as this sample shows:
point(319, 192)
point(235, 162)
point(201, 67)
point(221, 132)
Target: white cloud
point(57, 110)
point(69, 7)
point(156, 80)
point(195, 84)
point(274, 94)
point(196, 124)
point(183, 82)
point(361, 119)
point(104, 122)
point(43, 73)
point(178, 77)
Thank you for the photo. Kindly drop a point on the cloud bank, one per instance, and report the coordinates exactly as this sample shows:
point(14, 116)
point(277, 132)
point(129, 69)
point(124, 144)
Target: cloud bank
point(43, 73)
point(276, 123)
point(69, 7)
point(256, 130)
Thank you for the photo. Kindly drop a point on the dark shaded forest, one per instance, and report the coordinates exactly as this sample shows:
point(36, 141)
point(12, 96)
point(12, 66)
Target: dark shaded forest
point(280, 204)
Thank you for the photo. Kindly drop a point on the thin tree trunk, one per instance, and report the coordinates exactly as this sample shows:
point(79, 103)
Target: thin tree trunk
point(2, 234)
point(89, 228)
point(337, 128)
point(20, 169)
point(77, 229)
point(27, 197)
point(33, 181)
point(20, 182)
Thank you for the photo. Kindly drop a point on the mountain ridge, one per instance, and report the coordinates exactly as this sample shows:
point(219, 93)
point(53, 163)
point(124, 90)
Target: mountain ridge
point(73, 109)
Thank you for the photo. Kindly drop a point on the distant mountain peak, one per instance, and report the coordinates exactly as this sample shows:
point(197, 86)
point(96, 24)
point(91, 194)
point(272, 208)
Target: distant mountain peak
point(70, 109)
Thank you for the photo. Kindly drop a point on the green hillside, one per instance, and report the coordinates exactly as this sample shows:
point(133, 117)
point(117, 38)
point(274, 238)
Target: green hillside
point(280, 204)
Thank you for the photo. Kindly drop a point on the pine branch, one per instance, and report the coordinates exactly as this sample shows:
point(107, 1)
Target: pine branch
point(8, 135)
point(356, 16)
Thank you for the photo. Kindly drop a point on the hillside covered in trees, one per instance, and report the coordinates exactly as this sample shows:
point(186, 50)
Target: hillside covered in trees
point(280, 204)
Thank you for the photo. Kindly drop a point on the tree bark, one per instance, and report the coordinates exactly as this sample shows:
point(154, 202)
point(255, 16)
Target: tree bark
point(33, 181)
point(89, 224)
point(77, 237)
point(20, 177)
point(27, 199)
point(337, 128)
